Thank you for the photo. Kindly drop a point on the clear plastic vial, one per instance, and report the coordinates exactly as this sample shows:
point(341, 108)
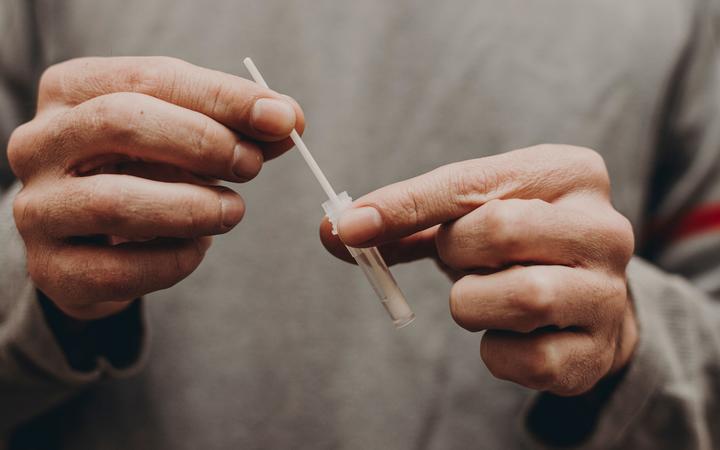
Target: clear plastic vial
point(374, 267)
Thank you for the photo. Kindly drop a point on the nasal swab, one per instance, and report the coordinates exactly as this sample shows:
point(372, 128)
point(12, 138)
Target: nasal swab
point(369, 259)
point(297, 140)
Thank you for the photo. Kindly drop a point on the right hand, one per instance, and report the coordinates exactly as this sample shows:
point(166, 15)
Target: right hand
point(119, 168)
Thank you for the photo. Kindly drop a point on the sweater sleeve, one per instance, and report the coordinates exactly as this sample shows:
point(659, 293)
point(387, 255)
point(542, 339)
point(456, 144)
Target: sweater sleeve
point(669, 395)
point(42, 362)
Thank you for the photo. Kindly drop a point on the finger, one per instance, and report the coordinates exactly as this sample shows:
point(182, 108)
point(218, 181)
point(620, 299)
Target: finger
point(332, 243)
point(138, 126)
point(127, 206)
point(562, 362)
point(99, 273)
point(238, 103)
point(449, 192)
point(524, 299)
point(420, 245)
point(502, 232)
point(272, 150)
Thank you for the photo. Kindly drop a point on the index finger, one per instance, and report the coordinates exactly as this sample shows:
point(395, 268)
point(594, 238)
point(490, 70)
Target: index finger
point(230, 100)
point(547, 172)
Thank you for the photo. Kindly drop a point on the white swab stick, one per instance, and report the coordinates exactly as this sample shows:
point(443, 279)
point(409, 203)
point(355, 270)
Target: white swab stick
point(297, 140)
point(369, 259)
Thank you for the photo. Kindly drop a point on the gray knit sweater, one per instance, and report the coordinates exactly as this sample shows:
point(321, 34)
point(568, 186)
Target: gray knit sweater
point(272, 343)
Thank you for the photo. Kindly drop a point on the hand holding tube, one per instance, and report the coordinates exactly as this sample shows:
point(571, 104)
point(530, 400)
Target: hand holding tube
point(375, 269)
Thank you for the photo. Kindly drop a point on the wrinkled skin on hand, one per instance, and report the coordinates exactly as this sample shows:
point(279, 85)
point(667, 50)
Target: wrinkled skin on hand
point(120, 168)
point(537, 253)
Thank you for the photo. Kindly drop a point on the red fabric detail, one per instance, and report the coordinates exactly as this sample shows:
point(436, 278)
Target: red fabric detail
point(700, 220)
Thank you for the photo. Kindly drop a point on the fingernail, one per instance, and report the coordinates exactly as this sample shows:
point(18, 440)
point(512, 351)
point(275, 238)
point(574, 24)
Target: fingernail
point(247, 162)
point(274, 117)
point(232, 208)
point(359, 225)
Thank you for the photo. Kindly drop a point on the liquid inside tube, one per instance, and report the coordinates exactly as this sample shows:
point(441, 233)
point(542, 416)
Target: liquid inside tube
point(372, 264)
point(384, 284)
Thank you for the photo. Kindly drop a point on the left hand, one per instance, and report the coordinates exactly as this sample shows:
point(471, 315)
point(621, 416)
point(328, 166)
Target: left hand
point(538, 252)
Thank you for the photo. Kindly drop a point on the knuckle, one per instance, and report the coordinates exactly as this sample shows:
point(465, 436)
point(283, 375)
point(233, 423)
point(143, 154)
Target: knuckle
point(24, 211)
point(147, 77)
point(493, 222)
point(543, 368)
point(584, 166)
point(196, 219)
point(199, 216)
point(616, 298)
point(216, 91)
point(155, 76)
point(100, 200)
point(618, 289)
point(113, 116)
point(501, 223)
point(614, 238)
point(206, 141)
point(533, 295)
point(470, 182)
point(592, 165)
point(623, 238)
point(409, 207)
point(454, 243)
point(52, 79)
point(532, 310)
point(64, 130)
point(58, 81)
point(591, 158)
point(19, 149)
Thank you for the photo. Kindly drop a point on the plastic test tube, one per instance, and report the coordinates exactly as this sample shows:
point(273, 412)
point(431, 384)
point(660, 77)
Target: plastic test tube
point(369, 259)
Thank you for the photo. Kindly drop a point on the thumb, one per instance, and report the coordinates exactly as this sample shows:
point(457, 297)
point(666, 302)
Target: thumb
point(417, 246)
point(449, 192)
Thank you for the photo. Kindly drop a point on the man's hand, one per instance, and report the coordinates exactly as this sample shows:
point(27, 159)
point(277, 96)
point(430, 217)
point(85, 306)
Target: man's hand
point(542, 251)
point(119, 168)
